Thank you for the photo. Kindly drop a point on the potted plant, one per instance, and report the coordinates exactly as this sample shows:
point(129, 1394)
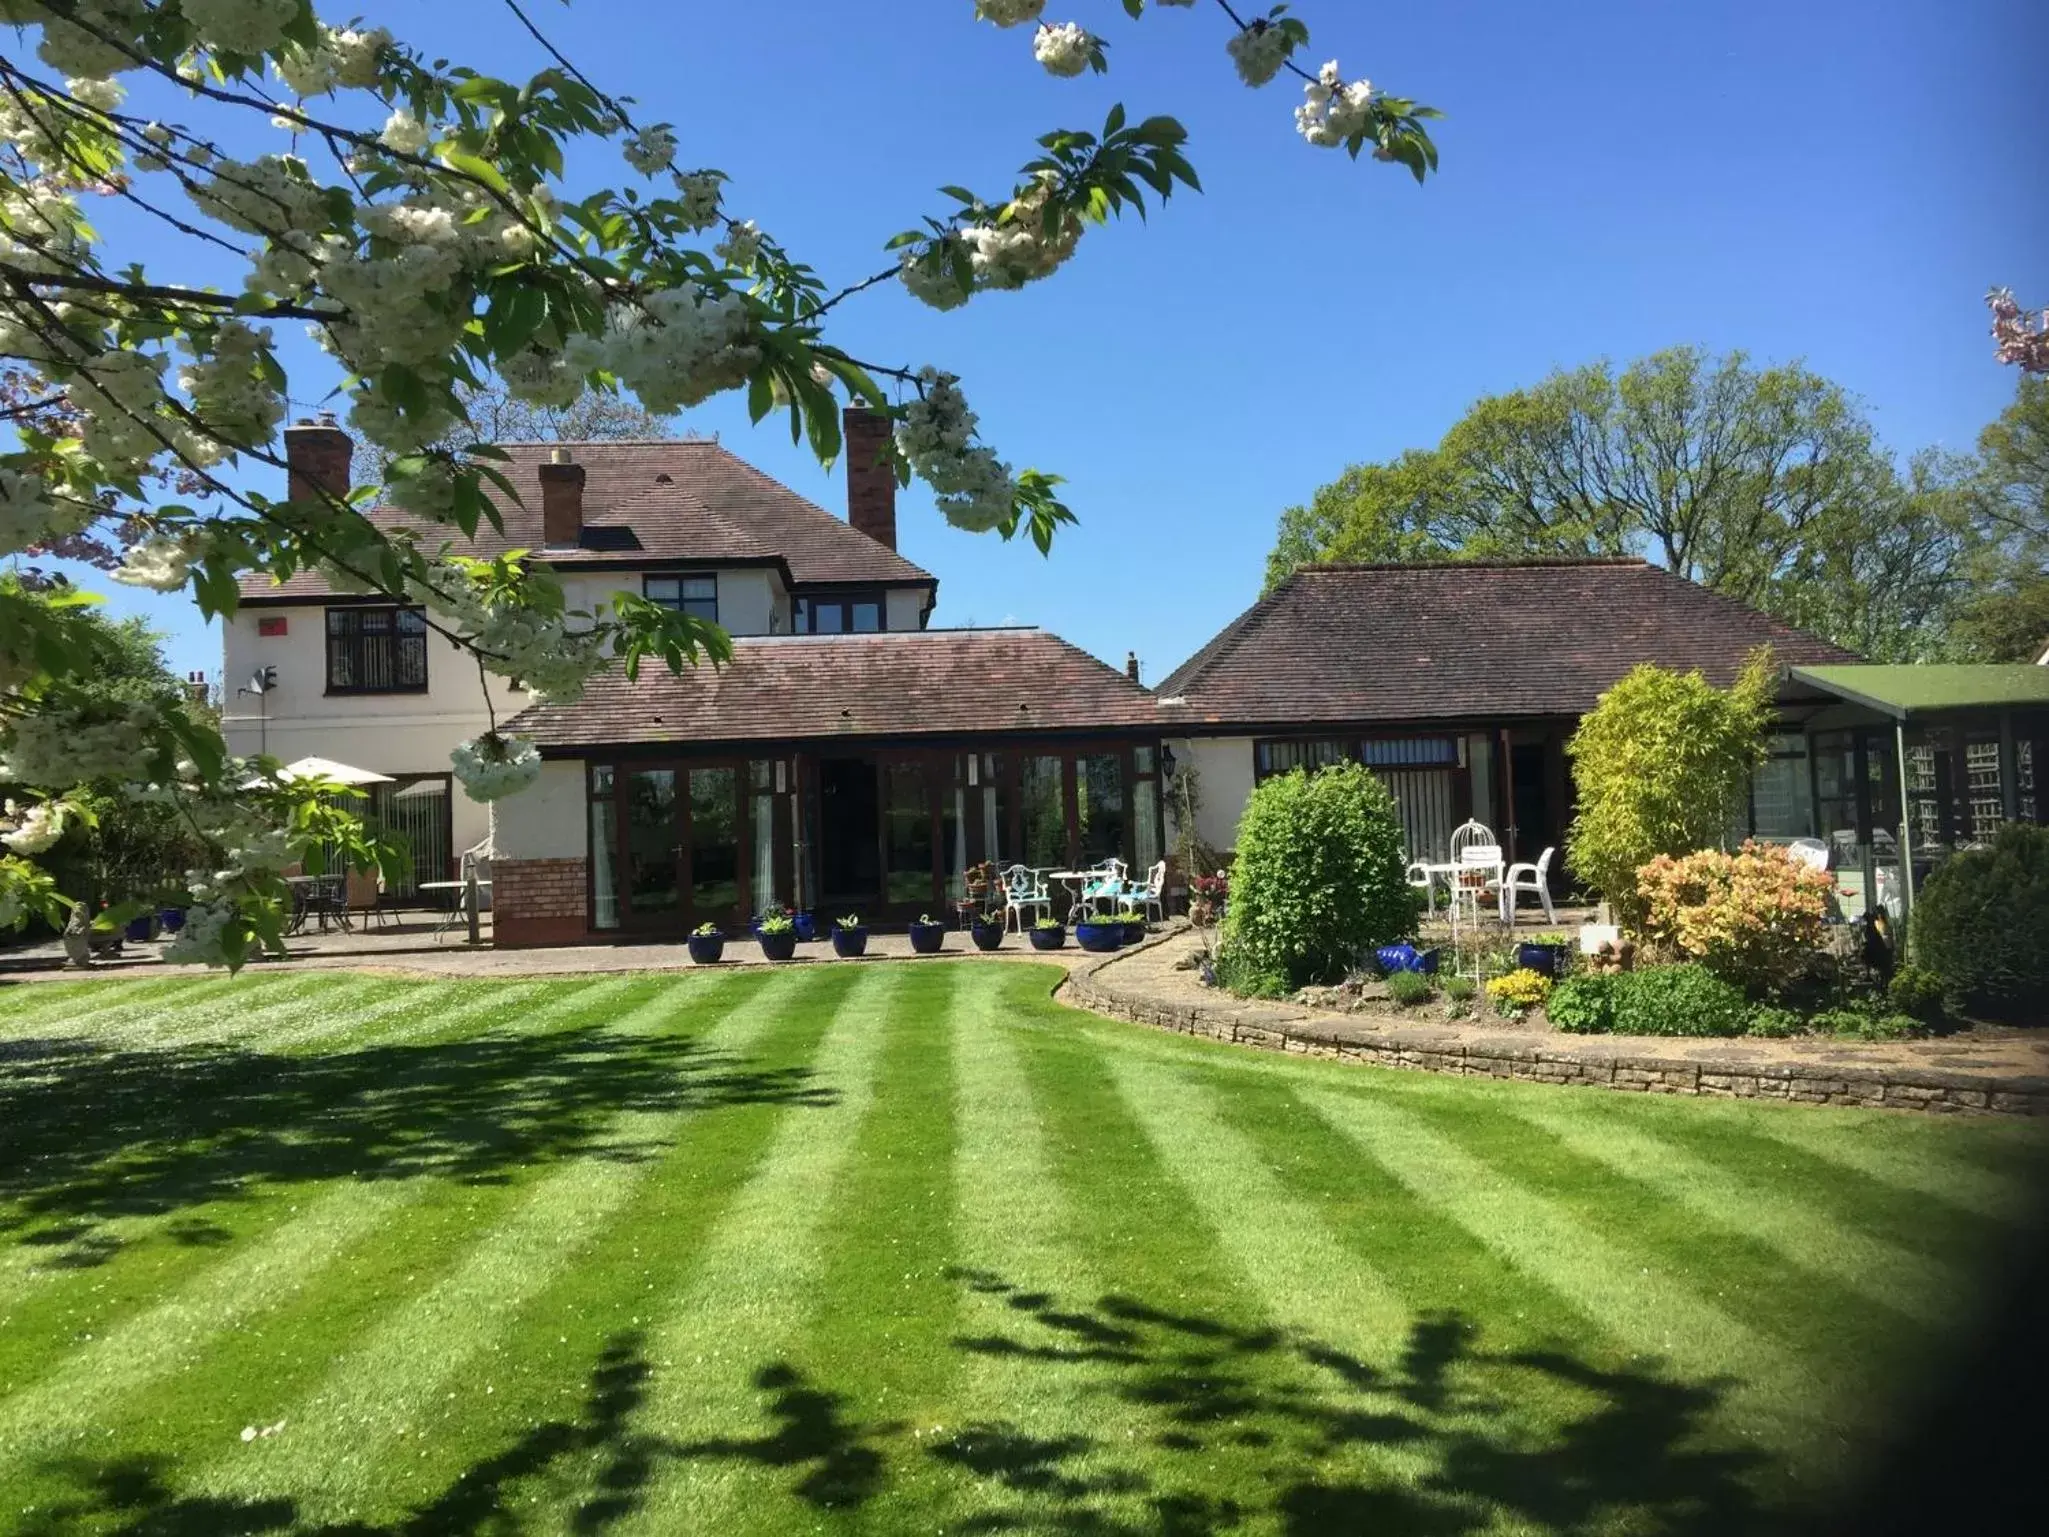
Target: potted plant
point(1134, 924)
point(849, 938)
point(1206, 896)
point(1545, 954)
point(1048, 934)
point(927, 935)
point(806, 925)
point(707, 944)
point(1099, 935)
point(987, 929)
point(778, 935)
point(172, 919)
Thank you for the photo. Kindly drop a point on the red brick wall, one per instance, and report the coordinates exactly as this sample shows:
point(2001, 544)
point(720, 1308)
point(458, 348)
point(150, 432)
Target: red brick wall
point(537, 902)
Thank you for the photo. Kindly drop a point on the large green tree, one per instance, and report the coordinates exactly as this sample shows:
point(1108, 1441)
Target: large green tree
point(2006, 616)
point(1765, 483)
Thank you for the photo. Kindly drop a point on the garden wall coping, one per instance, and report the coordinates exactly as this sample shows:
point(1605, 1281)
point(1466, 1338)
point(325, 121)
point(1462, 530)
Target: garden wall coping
point(1142, 985)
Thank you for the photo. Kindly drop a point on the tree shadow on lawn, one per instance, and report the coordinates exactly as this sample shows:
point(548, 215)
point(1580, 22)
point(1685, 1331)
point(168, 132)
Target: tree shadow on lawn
point(89, 1132)
point(1535, 1439)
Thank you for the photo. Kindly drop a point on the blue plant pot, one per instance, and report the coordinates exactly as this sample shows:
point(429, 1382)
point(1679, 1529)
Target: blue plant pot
point(926, 938)
point(778, 947)
point(849, 942)
point(807, 926)
point(1049, 939)
point(987, 936)
point(1544, 960)
point(1134, 932)
point(141, 929)
point(707, 949)
point(172, 918)
point(1099, 938)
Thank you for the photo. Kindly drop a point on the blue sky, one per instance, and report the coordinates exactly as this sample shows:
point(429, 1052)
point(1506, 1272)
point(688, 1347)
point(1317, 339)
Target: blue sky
point(1836, 180)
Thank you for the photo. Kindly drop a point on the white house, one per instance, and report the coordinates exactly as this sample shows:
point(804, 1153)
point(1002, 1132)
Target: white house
point(310, 671)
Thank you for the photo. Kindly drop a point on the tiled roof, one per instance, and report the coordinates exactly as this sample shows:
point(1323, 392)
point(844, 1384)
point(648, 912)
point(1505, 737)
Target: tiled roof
point(1473, 640)
point(712, 506)
point(904, 683)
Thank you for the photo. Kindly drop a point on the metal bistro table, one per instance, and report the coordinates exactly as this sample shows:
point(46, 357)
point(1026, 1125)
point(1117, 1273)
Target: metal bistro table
point(459, 903)
point(318, 896)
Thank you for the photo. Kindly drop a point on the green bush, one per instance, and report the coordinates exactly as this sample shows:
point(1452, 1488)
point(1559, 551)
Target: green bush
point(1658, 763)
point(1319, 877)
point(1678, 1000)
point(1981, 925)
point(1774, 1023)
point(1917, 993)
point(1237, 973)
point(1867, 1025)
point(1408, 988)
point(1460, 989)
point(1583, 1004)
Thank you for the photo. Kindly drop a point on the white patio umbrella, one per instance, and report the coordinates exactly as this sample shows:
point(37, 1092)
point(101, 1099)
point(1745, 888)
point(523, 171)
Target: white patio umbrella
point(327, 768)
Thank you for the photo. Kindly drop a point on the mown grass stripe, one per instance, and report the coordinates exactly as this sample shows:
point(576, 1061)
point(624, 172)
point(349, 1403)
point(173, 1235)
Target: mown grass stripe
point(1851, 1142)
point(371, 1396)
point(1806, 1239)
point(29, 1003)
point(110, 1006)
point(1599, 1274)
point(272, 1003)
point(751, 1287)
point(564, 1391)
point(39, 1294)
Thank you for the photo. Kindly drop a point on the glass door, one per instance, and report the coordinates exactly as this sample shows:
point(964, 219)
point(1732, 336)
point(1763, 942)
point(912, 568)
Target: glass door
point(649, 832)
point(714, 846)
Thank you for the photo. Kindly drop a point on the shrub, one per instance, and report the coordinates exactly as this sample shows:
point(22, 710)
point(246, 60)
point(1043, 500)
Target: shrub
point(1319, 876)
point(1774, 1022)
point(1867, 1025)
point(1460, 989)
point(1658, 763)
point(1584, 1003)
point(1754, 918)
point(1917, 993)
point(1981, 925)
point(1238, 973)
point(1678, 1000)
point(1518, 992)
point(1408, 988)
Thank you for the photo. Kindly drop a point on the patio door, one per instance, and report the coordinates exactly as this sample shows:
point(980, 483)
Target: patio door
point(682, 841)
point(715, 818)
point(650, 850)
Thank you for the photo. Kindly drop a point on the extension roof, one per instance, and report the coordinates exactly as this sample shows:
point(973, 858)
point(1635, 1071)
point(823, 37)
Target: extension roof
point(1469, 640)
point(896, 684)
point(1906, 691)
point(655, 503)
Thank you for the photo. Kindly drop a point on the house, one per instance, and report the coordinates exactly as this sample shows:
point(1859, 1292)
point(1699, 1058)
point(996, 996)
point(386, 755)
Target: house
point(313, 671)
point(1458, 683)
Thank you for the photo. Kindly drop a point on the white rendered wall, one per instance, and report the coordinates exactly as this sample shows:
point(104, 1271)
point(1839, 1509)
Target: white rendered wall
point(546, 819)
point(1223, 767)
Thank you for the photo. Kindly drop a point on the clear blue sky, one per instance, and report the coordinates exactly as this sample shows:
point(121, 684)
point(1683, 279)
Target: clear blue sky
point(1834, 180)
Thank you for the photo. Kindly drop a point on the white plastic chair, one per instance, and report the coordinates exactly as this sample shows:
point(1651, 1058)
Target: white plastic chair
point(1419, 875)
point(1105, 884)
point(1024, 893)
point(1532, 878)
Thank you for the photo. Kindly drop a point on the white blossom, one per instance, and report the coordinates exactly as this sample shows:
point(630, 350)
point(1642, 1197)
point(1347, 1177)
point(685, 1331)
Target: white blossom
point(272, 195)
point(79, 49)
point(161, 562)
point(341, 57)
point(36, 828)
point(1009, 13)
point(240, 26)
point(1259, 51)
point(651, 150)
point(492, 766)
point(405, 133)
point(1334, 110)
point(974, 488)
point(684, 346)
point(1065, 49)
point(199, 941)
point(740, 247)
point(55, 749)
point(699, 193)
point(100, 95)
point(229, 390)
point(30, 514)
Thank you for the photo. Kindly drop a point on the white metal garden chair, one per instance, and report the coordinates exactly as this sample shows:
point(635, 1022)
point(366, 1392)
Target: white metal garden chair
point(1104, 885)
point(1024, 895)
point(1149, 894)
point(1533, 880)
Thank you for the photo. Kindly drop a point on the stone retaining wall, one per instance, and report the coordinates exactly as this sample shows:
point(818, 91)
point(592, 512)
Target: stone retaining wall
point(1589, 1060)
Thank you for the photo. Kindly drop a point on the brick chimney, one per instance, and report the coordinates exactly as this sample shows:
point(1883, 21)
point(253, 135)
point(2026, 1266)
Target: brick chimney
point(871, 475)
point(1131, 665)
point(317, 455)
point(561, 501)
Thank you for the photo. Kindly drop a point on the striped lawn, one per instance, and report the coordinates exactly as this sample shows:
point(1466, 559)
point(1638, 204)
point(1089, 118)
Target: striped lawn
point(880, 1248)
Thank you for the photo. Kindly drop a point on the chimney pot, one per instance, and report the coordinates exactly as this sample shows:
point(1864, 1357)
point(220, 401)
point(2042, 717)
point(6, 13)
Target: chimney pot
point(871, 474)
point(317, 456)
point(561, 502)
point(1131, 665)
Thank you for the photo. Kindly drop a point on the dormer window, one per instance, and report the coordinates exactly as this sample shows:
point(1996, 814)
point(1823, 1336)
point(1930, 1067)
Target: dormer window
point(850, 613)
point(697, 596)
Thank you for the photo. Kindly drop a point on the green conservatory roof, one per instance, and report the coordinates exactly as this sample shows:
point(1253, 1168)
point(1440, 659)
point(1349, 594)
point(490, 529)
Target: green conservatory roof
point(1932, 687)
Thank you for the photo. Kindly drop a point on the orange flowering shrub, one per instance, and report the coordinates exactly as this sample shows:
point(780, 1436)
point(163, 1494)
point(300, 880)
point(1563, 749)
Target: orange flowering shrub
point(1752, 917)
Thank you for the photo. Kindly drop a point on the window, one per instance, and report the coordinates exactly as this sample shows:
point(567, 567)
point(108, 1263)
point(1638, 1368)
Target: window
point(1282, 757)
point(376, 651)
point(854, 613)
point(1781, 791)
point(697, 596)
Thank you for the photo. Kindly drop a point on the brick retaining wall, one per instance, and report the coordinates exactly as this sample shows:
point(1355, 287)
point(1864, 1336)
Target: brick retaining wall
point(538, 902)
point(1592, 1060)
